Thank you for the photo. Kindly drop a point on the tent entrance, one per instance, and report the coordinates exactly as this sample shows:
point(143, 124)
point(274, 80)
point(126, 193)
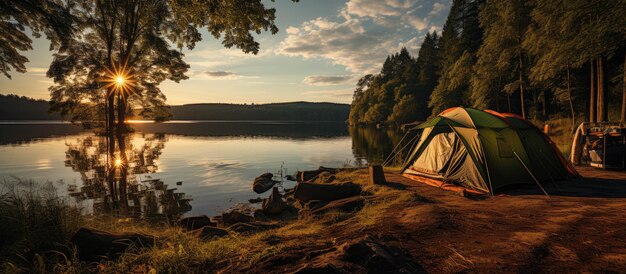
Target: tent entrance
point(445, 158)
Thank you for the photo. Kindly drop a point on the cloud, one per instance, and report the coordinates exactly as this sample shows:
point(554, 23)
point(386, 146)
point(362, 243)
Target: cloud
point(340, 95)
point(219, 74)
point(37, 71)
point(347, 43)
point(327, 80)
point(365, 32)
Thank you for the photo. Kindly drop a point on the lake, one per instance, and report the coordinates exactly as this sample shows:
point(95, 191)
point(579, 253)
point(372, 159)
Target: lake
point(216, 161)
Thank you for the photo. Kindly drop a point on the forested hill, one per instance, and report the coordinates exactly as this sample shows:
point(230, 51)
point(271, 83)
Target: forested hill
point(294, 111)
point(13, 107)
point(509, 56)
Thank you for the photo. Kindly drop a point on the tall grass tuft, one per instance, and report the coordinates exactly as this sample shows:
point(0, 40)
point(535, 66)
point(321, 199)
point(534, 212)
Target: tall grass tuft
point(35, 225)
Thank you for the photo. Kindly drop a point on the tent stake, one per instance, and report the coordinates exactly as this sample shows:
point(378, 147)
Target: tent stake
point(531, 174)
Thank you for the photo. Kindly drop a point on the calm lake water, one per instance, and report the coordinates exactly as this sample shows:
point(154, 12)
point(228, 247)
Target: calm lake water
point(216, 161)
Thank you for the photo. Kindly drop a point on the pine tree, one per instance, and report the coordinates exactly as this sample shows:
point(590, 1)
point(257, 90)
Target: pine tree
point(459, 41)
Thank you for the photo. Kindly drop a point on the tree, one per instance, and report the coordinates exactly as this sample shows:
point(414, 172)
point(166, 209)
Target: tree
point(460, 39)
point(48, 17)
point(427, 67)
point(500, 62)
point(133, 37)
point(394, 96)
point(586, 35)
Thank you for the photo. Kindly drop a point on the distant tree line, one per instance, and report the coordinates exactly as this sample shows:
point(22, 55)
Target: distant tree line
point(539, 59)
point(14, 107)
point(296, 111)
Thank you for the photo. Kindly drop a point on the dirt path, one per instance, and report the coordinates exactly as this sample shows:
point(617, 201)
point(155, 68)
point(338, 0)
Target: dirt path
point(581, 227)
point(519, 233)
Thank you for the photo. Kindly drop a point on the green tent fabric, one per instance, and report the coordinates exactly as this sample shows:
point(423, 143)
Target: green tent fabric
point(485, 151)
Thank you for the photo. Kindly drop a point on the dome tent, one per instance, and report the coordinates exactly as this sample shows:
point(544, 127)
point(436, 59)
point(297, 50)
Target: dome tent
point(483, 151)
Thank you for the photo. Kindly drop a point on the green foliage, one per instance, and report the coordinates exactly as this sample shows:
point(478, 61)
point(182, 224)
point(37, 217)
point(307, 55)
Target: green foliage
point(138, 36)
point(399, 93)
point(460, 39)
point(500, 56)
point(490, 50)
point(50, 17)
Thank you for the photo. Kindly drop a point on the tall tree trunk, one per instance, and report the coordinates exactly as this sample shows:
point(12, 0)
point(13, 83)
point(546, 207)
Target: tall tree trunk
point(111, 143)
point(521, 86)
point(602, 94)
point(569, 98)
point(592, 95)
point(121, 113)
point(123, 168)
point(623, 115)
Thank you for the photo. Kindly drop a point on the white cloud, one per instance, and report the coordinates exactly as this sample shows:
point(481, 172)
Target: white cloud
point(365, 32)
point(347, 43)
point(217, 75)
point(37, 70)
point(327, 80)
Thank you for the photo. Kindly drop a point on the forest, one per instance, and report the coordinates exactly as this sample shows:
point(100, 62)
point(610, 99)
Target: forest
point(509, 56)
point(14, 107)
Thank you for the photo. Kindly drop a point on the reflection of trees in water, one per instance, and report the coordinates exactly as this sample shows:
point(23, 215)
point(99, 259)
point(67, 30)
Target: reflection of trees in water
point(374, 145)
point(111, 176)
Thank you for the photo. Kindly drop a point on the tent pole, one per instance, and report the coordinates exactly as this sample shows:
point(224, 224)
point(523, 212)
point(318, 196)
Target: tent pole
point(531, 174)
point(410, 142)
point(396, 147)
point(471, 156)
point(486, 165)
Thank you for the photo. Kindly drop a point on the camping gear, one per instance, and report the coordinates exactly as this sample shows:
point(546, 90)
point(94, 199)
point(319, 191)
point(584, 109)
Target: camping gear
point(483, 151)
point(601, 145)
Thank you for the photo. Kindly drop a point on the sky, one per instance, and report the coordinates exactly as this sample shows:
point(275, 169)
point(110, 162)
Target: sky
point(322, 49)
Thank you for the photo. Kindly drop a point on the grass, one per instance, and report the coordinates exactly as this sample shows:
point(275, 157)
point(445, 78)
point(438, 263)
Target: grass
point(37, 225)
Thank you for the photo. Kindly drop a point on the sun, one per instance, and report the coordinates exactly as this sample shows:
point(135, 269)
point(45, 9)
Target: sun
point(119, 79)
point(118, 162)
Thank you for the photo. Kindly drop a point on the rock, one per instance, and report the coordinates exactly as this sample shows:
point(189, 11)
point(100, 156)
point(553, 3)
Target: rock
point(263, 183)
point(95, 245)
point(274, 204)
point(256, 200)
point(209, 232)
point(234, 216)
point(326, 192)
point(243, 228)
point(343, 205)
point(195, 222)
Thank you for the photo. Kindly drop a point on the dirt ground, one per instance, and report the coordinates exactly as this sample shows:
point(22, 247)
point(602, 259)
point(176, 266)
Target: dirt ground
point(581, 227)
